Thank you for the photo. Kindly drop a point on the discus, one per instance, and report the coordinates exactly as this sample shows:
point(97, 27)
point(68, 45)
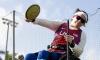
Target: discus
point(32, 12)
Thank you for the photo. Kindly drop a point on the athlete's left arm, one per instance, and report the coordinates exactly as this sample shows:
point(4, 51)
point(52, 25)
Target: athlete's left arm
point(78, 49)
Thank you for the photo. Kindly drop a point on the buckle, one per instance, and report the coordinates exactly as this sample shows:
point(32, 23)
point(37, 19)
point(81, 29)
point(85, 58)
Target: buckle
point(57, 47)
point(54, 47)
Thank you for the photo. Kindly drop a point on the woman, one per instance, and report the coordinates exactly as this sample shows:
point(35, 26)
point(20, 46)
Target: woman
point(70, 36)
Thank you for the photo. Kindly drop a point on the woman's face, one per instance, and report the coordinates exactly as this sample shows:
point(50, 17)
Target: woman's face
point(78, 20)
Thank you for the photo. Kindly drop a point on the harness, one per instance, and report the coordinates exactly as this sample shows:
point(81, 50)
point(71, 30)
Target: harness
point(59, 47)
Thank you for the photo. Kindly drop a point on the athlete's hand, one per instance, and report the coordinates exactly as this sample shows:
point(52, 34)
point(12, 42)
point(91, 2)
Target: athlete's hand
point(28, 20)
point(69, 38)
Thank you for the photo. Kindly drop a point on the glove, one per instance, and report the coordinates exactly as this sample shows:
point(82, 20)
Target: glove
point(32, 13)
point(69, 38)
point(27, 20)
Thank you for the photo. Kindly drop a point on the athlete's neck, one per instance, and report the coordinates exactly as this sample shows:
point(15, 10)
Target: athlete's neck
point(74, 28)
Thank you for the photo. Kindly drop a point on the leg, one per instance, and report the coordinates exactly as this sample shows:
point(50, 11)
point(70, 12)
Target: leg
point(31, 56)
point(43, 55)
point(72, 57)
point(54, 56)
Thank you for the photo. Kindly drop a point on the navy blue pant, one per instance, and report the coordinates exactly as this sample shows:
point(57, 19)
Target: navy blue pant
point(43, 55)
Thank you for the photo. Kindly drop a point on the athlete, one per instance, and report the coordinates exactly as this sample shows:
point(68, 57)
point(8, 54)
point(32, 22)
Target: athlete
point(66, 35)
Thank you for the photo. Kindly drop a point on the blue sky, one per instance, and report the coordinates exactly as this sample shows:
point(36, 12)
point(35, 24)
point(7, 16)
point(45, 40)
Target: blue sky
point(32, 38)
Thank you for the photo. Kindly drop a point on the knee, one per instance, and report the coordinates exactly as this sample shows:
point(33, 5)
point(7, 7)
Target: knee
point(43, 51)
point(31, 56)
point(43, 54)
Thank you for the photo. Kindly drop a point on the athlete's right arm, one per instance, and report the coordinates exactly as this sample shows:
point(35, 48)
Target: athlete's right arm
point(53, 25)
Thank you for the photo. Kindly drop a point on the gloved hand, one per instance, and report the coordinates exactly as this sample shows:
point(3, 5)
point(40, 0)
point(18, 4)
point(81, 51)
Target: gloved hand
point(69, 38)
point(28, 20)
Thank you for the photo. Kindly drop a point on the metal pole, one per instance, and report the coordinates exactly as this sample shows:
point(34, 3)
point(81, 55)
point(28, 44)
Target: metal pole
point(6, 51)
point(13, 35)
point(10, 22)
point(67, 41)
